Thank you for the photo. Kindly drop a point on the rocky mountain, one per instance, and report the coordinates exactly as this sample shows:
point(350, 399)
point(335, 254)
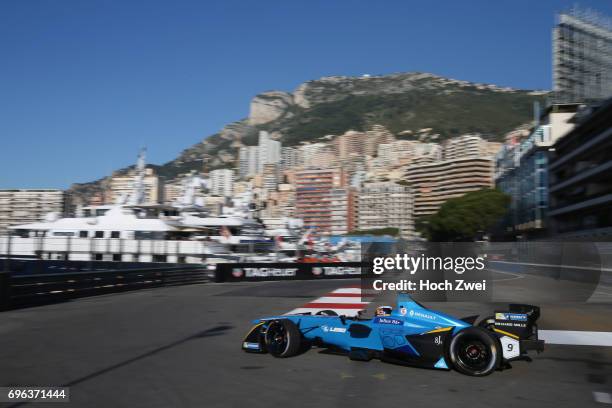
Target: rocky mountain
point(402, 102)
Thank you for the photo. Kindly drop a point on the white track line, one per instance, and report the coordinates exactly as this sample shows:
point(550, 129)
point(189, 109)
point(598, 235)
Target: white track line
point(602, 397)
point(356, 291)
point(576, 338)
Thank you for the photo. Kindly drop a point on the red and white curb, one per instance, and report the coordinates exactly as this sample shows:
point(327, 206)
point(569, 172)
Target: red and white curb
point(344, 301)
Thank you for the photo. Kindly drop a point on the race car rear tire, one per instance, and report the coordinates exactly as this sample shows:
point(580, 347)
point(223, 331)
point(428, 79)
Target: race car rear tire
point(475, 351)
point(283, 338)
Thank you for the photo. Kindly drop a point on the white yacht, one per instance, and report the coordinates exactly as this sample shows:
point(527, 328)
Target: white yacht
point(131, 231)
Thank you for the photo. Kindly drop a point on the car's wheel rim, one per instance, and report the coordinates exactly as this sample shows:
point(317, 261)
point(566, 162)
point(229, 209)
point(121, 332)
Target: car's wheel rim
point(473, 354)
point(276, 338)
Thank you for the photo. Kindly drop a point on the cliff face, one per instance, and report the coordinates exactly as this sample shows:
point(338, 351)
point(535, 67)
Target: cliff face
point(270, 106)
point(402, 102)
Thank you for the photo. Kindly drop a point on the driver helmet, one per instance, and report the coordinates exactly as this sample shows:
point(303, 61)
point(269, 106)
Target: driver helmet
point(384, 311)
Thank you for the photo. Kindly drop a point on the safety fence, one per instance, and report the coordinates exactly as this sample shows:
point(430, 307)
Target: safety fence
point(23, 290)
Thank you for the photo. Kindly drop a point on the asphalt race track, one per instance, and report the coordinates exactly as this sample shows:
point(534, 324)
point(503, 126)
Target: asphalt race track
point(180, 347)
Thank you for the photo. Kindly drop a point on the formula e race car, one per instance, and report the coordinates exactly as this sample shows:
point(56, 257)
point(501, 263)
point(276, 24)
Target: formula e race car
point(409, 334)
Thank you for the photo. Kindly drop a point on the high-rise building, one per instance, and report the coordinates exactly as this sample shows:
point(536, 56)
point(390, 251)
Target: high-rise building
point(357, 144)
point(281, 203)
point(342, 205)
point(23, 206)
point(290, 157)
point(251, 159)
point(378, 134)
point(270, 176)
point(469, 146)
point(316, 155)
point(269, 151)
point(122, 186)
point(222, 182)
point(349, 144)
point(248, 161)
point(582, 57)
point(403, 152)
point(434, 183)
point(386, 204)
point(322, 200)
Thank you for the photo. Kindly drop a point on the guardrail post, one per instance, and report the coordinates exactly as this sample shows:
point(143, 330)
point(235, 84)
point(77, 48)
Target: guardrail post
point(5, 290)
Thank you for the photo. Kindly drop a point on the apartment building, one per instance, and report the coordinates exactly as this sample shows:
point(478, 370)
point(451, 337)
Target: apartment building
point(323, 201)
point(122, 186)
point(281, 203)
point(269, 151)
point(356, 144)
point(222, 182)
point(317, 155)
point(23, 206)
point(404, 152)
point(386, 204)
point(271, 176)
point(469, 146)
point(343, 215)
point(248, 161)
point(434, 183)
point(251, 159)
point(290, 158)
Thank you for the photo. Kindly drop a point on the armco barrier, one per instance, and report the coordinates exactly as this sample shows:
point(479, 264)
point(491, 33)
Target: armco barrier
point(228, 272)
point(30, 290)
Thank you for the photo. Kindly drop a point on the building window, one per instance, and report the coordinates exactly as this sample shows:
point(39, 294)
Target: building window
point(99, 234)
point(98, 257)
point(159, 258)
point(83, 234)
point(117, 257)
point(114, 234)
point(63, 234)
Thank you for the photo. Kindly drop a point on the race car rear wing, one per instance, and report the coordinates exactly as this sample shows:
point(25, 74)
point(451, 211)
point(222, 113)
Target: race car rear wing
point(517, 330)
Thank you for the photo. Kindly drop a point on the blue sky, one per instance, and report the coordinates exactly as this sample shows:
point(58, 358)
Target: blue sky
point(84, 84)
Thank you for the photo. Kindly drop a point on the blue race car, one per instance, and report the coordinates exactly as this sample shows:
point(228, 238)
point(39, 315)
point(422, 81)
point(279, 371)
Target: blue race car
point(410, 334)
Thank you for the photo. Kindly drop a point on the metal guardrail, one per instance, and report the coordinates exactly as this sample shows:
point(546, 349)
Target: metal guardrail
point(18, 291)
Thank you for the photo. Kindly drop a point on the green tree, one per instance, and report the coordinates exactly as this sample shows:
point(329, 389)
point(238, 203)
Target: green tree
point(465, 218)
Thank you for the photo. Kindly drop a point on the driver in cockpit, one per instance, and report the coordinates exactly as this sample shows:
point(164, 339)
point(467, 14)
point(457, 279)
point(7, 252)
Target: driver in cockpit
point(383, 311)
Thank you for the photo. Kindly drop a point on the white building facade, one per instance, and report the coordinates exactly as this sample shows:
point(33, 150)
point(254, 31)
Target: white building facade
point(386, 205)
point(222, 182)
point(22, 206)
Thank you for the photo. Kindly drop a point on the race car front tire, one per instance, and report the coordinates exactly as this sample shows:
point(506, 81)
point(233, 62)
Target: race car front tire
point(475, 351)
point(283, 338)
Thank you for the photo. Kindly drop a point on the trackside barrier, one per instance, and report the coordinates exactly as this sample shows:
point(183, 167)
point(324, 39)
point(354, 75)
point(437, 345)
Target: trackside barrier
point(228, 272)
point(29, 290)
